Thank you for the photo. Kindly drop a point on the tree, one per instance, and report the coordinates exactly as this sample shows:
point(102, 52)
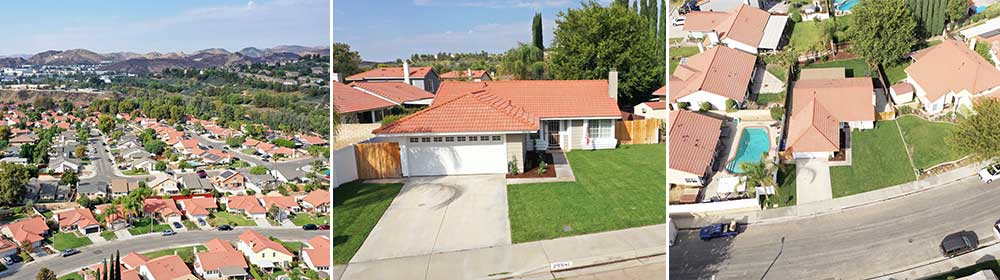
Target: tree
point(759, 174)
point(160, 165)
point(536, 32)
point(258, 170)
point(105, 124)
point(591, 41)
point(80, 151)
point(155, 147)
point(957, 10)
point(882, 31)
point(184, 165)
point(236, 141)
point(84, 202)
point(45, 274)
point(345, 61)
point(978, 134)
point(524, 62)
point(274, 211)
point(70, 178)
point(13, 183)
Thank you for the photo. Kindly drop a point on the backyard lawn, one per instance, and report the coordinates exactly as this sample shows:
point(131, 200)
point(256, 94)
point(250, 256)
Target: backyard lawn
point(804, 35)
point(786, 188)
point(226, 218)
point(358, 207)
point(185, 253)
point(142, 226)
point(895, 73)
point(768, 98)
point(65, 240)
point(854, 67)
point(308, 218)
point(676, 53)
point(625, 183)
point(925, 140)
point(879, 161)
point(778, 71)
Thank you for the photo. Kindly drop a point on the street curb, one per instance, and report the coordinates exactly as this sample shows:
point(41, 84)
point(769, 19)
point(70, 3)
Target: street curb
point(932, 262)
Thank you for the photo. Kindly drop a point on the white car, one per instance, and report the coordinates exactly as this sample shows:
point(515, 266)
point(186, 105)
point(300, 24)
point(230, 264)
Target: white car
point(678, 21)
point(990, 173)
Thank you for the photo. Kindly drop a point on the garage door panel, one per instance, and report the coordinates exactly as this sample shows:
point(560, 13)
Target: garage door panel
point(430, 159)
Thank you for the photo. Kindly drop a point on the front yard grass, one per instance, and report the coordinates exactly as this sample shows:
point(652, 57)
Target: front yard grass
point(879, 161)
point(226, 218)
point(109, 235)
point(71, 276)
point(186, 253)
point(302, 219)
point(357, 207)
point(785, 194)
point(925, 140)
point(147, 225)
point(855, 67)
point(614, 189)
point(66, 240)
point(190, 225)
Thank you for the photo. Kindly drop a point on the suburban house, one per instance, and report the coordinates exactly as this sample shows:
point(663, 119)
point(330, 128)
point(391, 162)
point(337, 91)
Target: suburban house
point(164, 185)
point(162, 209)
point(196, 184)
point(113, 221)
point(317, 200)
point(988, 33)
point(285, 204)
point(467, 75)
point(823, 113)
point(950, 75)
point(98, 269)
point(7, 248)
point(245, 204)
point(61, 165)
point(714, 76)
point(77, 219)
point(220, 261)
point(694, 141)
point(480, 127)
point(169, 267)
point(264, 252)
point(743, 28)
point(258, 183)
point(309, 140)
point(133, 260)
point(197, 208)
point(317, 256)
point(356, 106)
point(399, 94)
point(656, 109)
point(725, 5)
point(31, 230)
point(420, 77)
point(230, 182)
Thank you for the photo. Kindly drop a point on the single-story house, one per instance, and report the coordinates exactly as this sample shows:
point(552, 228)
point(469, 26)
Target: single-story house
point(7, 248)
point(823, 109)
point(949, 75)
point(480, 127)
point(286, 205)
point(714, 76)
point(115, 220)
point(164, 185)
point(196, 208)
point(220, 261)
point(317, 200)
point(421, 77)
point(399, 94)
point(725, 5)
point(744, 28)
point(467, 75)
point(61, 165)
point(31, 230)
point(194, 183)
point(166, 267)
point(694, 142)
point(164, 210)
point(245, 204)
point(77, 219)
point(121, 187)
point(317, 256)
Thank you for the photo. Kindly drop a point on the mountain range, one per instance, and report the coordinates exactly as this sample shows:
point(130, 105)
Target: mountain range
point(156, 62)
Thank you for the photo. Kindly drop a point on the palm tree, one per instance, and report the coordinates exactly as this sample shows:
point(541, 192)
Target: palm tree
point(760, 174)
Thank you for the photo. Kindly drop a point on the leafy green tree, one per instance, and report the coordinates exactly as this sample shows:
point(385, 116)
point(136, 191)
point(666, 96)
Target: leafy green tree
point(80, 151)
point(70, 178)
point(236, 141)
point(160, 165)
point(345, 61)
point(536, 32)
point(524, 62)
point(282, 143)
point(155, 147)
point(258, 170)
point(45, 274)
point(591, 41)
point(13, 183)
point(882, 31)
point(106, 124)
point(957, 10)
point(184, 165)
point(978, 134)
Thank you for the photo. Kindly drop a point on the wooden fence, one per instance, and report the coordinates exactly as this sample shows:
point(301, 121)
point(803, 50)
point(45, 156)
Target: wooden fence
point(645, 131)
point(378, 160)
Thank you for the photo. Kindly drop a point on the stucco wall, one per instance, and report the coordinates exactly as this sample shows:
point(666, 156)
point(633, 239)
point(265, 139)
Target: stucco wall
point(515, 149)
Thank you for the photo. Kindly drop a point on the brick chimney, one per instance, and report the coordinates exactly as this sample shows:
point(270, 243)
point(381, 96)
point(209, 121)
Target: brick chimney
point(406, 72)
point(613, 84)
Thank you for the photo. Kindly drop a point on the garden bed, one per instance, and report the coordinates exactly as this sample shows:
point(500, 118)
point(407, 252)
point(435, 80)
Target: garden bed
point(531, 163)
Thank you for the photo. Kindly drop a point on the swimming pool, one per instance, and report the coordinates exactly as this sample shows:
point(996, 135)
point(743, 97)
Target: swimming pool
point(846, 5)
point(753, 144)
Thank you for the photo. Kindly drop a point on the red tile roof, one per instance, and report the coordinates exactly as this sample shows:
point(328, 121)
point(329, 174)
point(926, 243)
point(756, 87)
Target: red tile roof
point(662, 91)
point(164, 207)
point(198, 205)
point(468, 113)
point(720, 70)
point(258, 242)
point(397, 92)
point(693, 139)
point(319, 251)
point(951, 67)
point(349, 100)
point(247, 203)
point(317, 197)
point(220, 254)
point(390, 72)
point(820, 105)
point(167, 267)
point(30, 230)
point(744, 23)
point(80, 217)
point(133, 260)
point(283, 202)
point(656, 105)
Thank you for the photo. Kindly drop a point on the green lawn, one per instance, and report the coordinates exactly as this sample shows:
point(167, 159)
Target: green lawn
point(983, 49)
point(64, 240)
point(879, 161)
point(226, 218)
point(768, 98)
point(308, 218)
point(185, 253)
point(925, 140)
point(804, 35)
point(854, 67)
point(292, 246)
point(71, 276)
point(895, 73)
point(614, 189)
point(109, 235)
point(133, 172)
point(777, 71)
point(190, 225)
point(142, 226)
point(676, 53)
point(357, 207)
point(786, 188)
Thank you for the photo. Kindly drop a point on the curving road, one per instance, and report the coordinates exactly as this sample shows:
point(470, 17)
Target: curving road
point(94, 254)
point(857, 243)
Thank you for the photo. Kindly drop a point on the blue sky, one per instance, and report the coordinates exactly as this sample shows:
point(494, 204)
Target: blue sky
point(163, 26)
point(386, 30)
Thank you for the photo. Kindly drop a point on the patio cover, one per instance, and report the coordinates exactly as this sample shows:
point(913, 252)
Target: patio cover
point(731, 184)
point(772, 32)
point(988, 26)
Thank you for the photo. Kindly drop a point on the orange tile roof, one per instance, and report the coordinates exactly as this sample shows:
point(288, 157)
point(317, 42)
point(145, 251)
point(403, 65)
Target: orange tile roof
point(820, 105)
point(81, 217)
point(6, 245)
point(463, 74)
point(133, 260)
point(902, 88)
point(167, 267)
point(30, 230)
point(111, 217)
point(720, 70)
point(813, 129)
point(220, 254)
point(258, 242)
point(390, 72)
point(951, 67)
point(656, 105)
point(467, 113)
point(693, 139)
point(164, 207)
point(744, 23)
point(199, 205)
point(312, 140)
point(318, 251)
point(704, 21)
point(247, 203)
point(397, 92)
point(283, 202)
point(317, 197)
point(219, 245)
point(662, 91)
point(347, 99)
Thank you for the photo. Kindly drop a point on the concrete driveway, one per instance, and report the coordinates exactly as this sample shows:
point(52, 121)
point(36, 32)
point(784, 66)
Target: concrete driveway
point(441, 214)
point(812, 180)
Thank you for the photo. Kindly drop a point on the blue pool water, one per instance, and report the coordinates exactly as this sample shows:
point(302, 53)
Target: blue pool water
point(980, 9)
point(846, 5)
point(753, 144)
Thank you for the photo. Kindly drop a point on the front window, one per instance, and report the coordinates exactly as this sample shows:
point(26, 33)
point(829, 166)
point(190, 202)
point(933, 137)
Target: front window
point(600, 128)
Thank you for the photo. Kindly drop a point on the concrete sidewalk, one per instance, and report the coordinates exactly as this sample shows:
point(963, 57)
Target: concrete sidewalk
point(967, 172)
point(546, 259)
point(943, 265)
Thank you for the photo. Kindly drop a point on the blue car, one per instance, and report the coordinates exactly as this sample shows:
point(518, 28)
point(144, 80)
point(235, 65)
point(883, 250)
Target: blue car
point(719, 230)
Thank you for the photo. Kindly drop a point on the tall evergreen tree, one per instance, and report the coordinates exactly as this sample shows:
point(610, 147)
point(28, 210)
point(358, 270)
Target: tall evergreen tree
point(621, 2)
point(118, 265)
point(536, 32)
point(104, 270)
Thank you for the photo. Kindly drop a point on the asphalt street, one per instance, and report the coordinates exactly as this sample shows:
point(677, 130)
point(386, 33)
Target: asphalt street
point(94, 254)
point(857, 243)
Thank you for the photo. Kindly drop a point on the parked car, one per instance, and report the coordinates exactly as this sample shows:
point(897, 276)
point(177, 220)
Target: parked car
point(168, 232)
point(719, 230)
point(324, 227)
point(959, 243)
point(177, 225)
point(69, 252)
point(310, 227)
point(996, 229)
point(201, 222)
point(678, 21)
point(225, 228)
point(10, 260)
point(202, 174)
point(990, 173)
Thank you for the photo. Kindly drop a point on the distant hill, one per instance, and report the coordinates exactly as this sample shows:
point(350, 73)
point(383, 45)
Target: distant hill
point(68, 57)
point(155, 61)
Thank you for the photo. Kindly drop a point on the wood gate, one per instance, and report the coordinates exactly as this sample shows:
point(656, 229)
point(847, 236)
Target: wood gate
point(645, 131)
point(378, 160)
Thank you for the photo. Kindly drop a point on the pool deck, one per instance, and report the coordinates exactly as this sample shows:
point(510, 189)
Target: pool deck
point(731, 145)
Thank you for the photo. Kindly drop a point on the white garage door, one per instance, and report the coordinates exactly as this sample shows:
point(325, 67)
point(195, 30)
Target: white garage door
point(456, 155)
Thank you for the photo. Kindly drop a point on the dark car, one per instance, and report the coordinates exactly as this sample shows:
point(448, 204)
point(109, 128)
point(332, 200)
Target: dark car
point(202, 174)
point(310, 227)
point(719, 230)
point(201, 221)
point(177, 225)
point(225, 228)
point(69, 252)
point(959, 243)
point(324, 227)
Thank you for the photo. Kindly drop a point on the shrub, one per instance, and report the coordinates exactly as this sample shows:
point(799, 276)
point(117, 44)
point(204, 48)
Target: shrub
point(796, 15)
point(391, 118)
point(683, 105)
point(905, 110)
point(777, 113)
point(731, 106)
point(542, 167)
point(258, 170)
point(512, 167)
point(705, 107)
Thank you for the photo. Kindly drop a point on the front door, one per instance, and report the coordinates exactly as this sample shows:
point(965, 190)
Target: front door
point(552, 129)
